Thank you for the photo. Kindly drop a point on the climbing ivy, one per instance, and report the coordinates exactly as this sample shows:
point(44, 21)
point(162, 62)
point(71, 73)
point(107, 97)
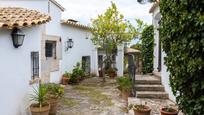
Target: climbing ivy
point(182, 35)
point(147, 49)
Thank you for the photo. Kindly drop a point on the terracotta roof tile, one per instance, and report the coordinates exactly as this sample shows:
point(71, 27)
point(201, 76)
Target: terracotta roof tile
point(75, 24)
point(11, 17)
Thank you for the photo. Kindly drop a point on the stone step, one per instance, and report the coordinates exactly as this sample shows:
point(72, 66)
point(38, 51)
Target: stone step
point(147, 79)
point(152, 94)
point(148, 82)
point(149, 88)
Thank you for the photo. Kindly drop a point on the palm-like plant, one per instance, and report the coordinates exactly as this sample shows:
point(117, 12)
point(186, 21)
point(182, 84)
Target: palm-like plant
point(39, 95)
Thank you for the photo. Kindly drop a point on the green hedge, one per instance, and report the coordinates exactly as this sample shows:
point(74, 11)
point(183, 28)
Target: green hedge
point(182, 35)
point(147, 49)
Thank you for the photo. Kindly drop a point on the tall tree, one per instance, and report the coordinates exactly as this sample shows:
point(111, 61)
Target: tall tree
point(110, 30)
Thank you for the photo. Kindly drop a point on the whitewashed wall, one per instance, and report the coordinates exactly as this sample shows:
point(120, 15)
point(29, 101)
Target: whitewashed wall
point(164, 72)
point(54, 26)
point(81, 47)
point(15, 70)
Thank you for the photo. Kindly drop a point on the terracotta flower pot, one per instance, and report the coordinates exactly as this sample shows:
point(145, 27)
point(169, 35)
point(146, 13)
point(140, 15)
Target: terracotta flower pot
point(36, 110)
point(65, 80)
point(163, 111)
point(125, 94)
point(53, 106)
point(112, 74)
point(100, 73)
point(145, 111)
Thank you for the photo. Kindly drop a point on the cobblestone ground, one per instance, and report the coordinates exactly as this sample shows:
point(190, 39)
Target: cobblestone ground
point(92, 97)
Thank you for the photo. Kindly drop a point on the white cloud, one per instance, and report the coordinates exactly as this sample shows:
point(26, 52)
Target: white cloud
point(84, 10)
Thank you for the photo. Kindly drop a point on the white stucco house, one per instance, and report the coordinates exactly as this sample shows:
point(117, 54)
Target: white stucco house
point(51, 46)
point(160, 68)
point(19, 65)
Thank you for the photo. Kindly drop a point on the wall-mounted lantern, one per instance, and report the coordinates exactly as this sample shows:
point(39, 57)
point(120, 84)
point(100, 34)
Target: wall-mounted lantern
point(69, 44)
point(17, 37)
point(87, 36)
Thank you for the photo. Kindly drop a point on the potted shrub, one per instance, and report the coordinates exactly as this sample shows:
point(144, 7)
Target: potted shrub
point(77, 74)
point(125, 86)
point(112, 72)
point(40, 105)
point(55, 92)
point(65, 78)
point(140, 109)
point(168, 111)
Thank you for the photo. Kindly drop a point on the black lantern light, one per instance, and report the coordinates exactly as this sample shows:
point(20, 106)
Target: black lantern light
point(17, 37)
point(69, 44)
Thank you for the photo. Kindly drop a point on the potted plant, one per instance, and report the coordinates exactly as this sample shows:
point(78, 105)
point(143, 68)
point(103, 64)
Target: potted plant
point(55, 92)
point(168, 111)
point(112, 72)
point(140, 109)
point(65, 78)
point(125, 86)
point(40, 105)
point(77, 74)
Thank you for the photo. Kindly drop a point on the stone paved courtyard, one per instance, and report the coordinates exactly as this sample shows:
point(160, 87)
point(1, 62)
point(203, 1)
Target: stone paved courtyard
point(93, 97)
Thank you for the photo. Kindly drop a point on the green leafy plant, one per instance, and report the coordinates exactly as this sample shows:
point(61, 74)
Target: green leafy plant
point(66, 74)
point(147, 49)
point(124, 83)
point(182, 36)
point(54, 90)
point(77, 74)
point(39, 95)
point(112, 70)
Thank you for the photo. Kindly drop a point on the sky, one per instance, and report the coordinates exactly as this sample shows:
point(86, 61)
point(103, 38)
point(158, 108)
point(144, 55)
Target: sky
point(84, 10)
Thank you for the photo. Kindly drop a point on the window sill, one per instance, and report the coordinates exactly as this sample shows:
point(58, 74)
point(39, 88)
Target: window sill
point(34, 81)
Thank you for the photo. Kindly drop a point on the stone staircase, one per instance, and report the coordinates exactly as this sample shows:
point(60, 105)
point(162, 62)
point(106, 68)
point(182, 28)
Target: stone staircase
point(149, 86)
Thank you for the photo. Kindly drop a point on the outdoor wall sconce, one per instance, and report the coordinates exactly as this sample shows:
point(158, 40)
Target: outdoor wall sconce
point(17, 37)
point(69, 44)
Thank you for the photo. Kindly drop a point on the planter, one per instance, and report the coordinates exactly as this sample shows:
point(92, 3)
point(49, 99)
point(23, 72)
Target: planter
point(65, 80)
point(145, 111)
point(53, 106)
point(36, 110)
point(112, 74)
point(172, 111)
point(125, 94)
point(100, 73)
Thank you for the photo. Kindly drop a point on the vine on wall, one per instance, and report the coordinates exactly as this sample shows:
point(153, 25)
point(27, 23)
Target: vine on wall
point(182, 35)
point(147, 49)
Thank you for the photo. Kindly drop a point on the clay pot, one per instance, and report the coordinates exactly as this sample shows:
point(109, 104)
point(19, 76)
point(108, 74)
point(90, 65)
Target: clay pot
point(145, 111)
point(100, 73)
point(125, 94)
point(36, 110)
point(65, 80)
point(53, 106)
point(173, 111)
point(112, 74)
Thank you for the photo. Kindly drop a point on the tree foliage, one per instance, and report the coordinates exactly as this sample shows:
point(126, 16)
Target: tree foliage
point(147, 49)
point(110, 30)
point(137, 46)
point(182, 35)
